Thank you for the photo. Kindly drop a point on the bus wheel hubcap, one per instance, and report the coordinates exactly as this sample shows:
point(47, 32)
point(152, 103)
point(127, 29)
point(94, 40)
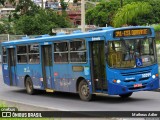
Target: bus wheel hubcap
point(85, 90)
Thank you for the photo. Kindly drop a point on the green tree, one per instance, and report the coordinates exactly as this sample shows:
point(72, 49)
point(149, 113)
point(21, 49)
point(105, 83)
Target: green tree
point(5, 26)
point(2, 2)
point(23, 7)
point(41, 23)
point(110, 8)
point(30, 19)
point(102, 13)
point(152, 17)
point(64, 6)
point(2, 29)
point(128, 13)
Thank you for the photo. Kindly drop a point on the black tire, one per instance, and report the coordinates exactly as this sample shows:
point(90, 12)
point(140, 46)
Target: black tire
point(29, 86)
point(84, 92)
point(125, 95)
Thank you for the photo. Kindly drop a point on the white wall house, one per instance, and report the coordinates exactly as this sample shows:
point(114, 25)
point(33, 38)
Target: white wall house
point(5, 11)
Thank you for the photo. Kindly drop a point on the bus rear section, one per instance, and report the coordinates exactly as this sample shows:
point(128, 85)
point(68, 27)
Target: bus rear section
point(9, 66)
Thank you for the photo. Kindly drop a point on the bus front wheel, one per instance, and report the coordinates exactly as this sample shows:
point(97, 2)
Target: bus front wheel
point(29, 86)
point(125, 95)
point(84, 92)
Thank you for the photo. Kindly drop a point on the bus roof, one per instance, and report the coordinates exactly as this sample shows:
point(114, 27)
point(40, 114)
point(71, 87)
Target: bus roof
point(47, 38)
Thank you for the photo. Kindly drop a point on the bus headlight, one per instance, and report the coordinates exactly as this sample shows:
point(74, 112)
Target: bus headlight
point(153, 76)
point(118, 81)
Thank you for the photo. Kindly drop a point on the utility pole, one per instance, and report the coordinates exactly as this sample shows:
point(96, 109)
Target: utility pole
point(83, 15)
point(42, 4)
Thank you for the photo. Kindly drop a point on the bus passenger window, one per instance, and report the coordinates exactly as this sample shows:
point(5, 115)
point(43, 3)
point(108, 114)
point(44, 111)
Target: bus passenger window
point(22, 58)
point(22, 49)
point(34, 58)
point(61, 52)
point(22, 54)
point(33, 53)
point(78, 51)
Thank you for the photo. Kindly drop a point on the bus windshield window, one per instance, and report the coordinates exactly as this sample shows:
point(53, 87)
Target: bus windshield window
point(131, 53)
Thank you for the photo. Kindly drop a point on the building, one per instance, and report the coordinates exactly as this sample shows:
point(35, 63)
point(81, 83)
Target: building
point(6, 9)
point(4, 12)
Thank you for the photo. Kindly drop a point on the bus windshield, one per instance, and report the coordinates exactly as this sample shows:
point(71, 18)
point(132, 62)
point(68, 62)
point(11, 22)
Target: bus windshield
point(131, 53)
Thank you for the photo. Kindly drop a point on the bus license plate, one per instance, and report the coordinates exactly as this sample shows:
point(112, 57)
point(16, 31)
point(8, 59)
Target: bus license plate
point(138, 85)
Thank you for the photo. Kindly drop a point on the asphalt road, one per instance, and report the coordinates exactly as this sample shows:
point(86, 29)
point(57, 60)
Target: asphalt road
point(139, 101)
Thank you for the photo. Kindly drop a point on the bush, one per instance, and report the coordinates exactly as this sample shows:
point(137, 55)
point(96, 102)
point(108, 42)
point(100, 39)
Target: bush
point(156, 27)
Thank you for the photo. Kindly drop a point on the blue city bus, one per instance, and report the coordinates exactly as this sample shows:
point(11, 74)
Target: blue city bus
point(113, 61)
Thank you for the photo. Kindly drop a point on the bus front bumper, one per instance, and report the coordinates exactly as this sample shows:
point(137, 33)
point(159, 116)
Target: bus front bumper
point(117, 89)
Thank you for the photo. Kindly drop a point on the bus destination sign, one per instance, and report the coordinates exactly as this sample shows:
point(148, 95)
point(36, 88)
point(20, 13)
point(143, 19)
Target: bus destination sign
point(132, 32)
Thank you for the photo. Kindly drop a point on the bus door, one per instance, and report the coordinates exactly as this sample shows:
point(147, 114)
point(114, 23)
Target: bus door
point(47, 66)
point(98, 66)
point(12, 66)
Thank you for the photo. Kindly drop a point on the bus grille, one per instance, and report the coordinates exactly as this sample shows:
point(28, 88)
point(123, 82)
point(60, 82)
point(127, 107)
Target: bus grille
point(135, 73)
point(132, 80)
point(141, 79)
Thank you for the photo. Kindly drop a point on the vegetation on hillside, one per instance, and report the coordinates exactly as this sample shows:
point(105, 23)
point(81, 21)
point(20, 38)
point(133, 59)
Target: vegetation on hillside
point(30, 19)
point(104, 13)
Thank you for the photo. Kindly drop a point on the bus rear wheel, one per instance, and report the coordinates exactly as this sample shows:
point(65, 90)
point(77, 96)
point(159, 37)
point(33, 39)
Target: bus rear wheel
point(29, 86)
point(84, 92)
point(125, 95)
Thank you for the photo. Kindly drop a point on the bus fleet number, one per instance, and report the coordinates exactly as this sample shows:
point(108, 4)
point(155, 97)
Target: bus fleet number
point(146, 75)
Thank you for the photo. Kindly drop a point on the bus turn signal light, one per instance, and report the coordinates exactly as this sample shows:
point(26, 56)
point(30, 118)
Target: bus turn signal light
point(157, 75)
point(115, 81)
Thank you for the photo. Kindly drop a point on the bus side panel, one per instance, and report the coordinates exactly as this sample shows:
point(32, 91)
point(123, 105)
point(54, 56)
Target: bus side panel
point(33, 71)
point(77, 74)
point(49, 77)
point(65, 78)
point(6, 74)
point(61, 77)
point(74, 77)
point(21, 74)
point(36, 76)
